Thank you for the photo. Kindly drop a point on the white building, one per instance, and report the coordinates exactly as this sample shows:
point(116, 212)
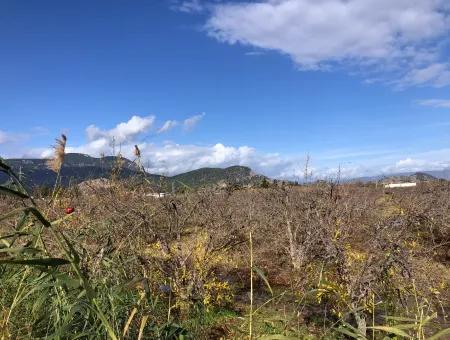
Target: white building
point(400, 185)
point(157, 194)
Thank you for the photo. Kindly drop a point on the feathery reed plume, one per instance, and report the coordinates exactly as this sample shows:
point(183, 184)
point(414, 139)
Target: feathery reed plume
point(57, 161)
point(137, 152)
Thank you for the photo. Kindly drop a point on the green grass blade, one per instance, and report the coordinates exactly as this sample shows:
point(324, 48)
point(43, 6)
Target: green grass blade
point(398, 318)
point(278, 337)
point(104, 320)
point(20, 250)
point(349, 333)
point(50, 261)
point(11, 192)
point(263, 277)
point(393, 330)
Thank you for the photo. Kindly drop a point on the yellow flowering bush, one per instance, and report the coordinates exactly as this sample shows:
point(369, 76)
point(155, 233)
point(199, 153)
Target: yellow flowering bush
point(190, 264)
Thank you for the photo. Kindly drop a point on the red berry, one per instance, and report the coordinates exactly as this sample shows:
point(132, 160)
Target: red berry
point(69, 210)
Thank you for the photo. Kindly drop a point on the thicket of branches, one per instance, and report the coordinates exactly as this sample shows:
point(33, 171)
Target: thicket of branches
point(341, 260)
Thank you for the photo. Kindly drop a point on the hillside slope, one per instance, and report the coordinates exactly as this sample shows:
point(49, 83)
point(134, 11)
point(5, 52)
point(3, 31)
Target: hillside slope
point(402, 178)
point(217, 176)
point(78, 168)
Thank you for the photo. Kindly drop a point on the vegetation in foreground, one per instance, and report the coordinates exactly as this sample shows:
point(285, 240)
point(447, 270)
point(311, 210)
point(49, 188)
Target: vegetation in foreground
point(326, 260)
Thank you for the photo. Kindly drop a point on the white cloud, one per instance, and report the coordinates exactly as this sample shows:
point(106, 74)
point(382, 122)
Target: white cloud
point(381, 36)
point(408, 163)
point(436, 75)
point(123, 131)
point(188, 6)
point(12, 144)
point(191, 122)
point(173, 158)
point(170, 158)
point(414, 165)
point(430, 160)
point(342, 172)
point(254, 53)
point(436, 103)
point(10, 137)
point(168, 125)
point(3, 137)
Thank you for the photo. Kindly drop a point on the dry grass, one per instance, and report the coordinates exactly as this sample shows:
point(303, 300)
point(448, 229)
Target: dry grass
point(339, 259)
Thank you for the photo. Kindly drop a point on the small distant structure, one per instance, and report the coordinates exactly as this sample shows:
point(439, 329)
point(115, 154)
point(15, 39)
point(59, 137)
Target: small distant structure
point(157, 194)
point(400, 185)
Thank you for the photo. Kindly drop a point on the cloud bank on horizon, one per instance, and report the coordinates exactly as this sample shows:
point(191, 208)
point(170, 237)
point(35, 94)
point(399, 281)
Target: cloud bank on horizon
point(170, 158)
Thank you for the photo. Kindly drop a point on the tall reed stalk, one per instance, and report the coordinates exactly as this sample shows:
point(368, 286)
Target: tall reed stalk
point(250, 326)
point(55, 163)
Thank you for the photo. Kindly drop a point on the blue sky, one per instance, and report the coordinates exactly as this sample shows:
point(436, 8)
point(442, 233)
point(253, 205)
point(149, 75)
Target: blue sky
point(361, 85)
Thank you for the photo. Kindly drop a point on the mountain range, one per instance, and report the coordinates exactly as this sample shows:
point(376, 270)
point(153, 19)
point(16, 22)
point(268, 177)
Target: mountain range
point(79, 167)
point(422, 176)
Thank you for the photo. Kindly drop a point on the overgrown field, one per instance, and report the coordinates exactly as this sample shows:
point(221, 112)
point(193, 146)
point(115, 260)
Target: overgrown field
point(296, 262)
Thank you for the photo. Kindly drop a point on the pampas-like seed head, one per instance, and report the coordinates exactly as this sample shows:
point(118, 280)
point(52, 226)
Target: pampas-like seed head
point(137, 152)
point(57, 161)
